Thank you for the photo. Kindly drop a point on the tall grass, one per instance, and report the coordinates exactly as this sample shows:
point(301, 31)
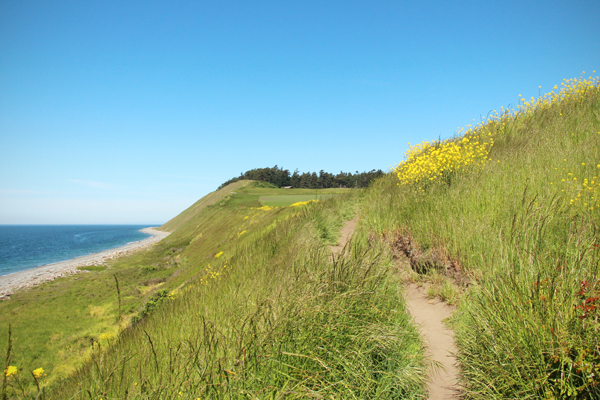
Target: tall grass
point(53, 324)
point(247, 302)
point(282, 319)
point(525, 228)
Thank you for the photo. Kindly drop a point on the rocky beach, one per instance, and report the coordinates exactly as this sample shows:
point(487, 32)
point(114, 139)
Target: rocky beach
point(23, 280)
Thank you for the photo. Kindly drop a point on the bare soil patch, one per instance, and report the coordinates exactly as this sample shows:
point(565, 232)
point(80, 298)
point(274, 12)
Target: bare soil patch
point(439, 341)
point(345, 235)
point(430, 314)
point(423, 261)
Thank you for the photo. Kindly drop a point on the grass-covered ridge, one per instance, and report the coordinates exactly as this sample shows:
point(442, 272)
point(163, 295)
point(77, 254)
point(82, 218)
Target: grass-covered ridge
point(208, 200)
point(521, 220)
point(237, 287)
point(275, 316)
point(244, 299)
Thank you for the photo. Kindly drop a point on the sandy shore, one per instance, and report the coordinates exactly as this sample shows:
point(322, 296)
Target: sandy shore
point(11, 283)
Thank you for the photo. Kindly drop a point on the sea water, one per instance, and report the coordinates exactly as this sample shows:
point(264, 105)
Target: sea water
point(24, 247)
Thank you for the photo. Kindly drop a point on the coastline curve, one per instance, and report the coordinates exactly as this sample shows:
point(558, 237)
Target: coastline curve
point(23, 280)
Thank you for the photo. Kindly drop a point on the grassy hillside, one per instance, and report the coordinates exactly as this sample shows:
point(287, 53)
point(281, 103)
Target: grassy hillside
point(256, 194)
point(208, 200)
point(54, 324)
point(270, 315)
point(237, 287)
point(514, 204)
point(245, 300)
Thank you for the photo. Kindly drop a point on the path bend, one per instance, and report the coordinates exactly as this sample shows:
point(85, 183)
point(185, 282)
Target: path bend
point(429, 316)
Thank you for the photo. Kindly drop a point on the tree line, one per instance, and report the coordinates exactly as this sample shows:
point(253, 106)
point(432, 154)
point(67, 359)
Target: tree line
point(310, 180)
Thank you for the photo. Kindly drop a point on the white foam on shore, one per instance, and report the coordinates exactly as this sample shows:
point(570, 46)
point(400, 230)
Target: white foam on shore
point(23, 280)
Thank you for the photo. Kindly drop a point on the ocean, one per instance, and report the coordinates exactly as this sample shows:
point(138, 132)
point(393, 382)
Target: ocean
point(24, 247)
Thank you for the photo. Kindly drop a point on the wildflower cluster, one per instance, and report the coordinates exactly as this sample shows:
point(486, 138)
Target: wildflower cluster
point(213, 273)
point(303, 203)
point(571, 90)
point(440, 160)
point(15, 383)
point(38, 373)
point(582, 187)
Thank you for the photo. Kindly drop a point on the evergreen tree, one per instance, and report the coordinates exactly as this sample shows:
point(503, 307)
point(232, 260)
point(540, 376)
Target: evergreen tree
point(281, 177)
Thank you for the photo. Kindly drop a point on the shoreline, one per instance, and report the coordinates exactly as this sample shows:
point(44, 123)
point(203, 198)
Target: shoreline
point(23, 280)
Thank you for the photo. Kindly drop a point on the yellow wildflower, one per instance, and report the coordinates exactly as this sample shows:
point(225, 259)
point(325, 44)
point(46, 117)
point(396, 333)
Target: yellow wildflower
point(38, 372)
point(432, 161)
point(10, 371)
point(303, 203)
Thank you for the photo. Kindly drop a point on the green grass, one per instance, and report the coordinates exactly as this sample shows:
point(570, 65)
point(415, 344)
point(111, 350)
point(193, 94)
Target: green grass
point(244, 300)
point(53, 324)
point(234, 288)
point(287, 200)
point(206, 201)
point(280, 319)
point(513, 230)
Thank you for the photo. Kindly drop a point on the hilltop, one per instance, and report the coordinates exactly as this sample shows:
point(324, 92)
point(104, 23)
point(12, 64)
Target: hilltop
point(279, 177)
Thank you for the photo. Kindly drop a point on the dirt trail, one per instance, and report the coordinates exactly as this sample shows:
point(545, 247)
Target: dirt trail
point(345, 235)
point(428, 314)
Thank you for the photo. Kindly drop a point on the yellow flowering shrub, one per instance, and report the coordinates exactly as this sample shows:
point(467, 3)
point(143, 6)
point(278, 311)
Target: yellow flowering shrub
point(439, 160)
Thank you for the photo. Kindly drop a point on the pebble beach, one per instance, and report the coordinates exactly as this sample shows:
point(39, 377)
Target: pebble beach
point(24, 280)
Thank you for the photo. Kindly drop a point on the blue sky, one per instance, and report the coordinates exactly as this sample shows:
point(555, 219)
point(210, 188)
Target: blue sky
point(130, 111)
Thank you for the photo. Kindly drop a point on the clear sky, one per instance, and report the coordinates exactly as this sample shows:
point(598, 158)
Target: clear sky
point(129, 111)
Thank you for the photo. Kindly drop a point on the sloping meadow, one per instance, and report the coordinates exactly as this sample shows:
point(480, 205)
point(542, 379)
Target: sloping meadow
point(514, 204)
point(275, 316)
point(253, 304)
